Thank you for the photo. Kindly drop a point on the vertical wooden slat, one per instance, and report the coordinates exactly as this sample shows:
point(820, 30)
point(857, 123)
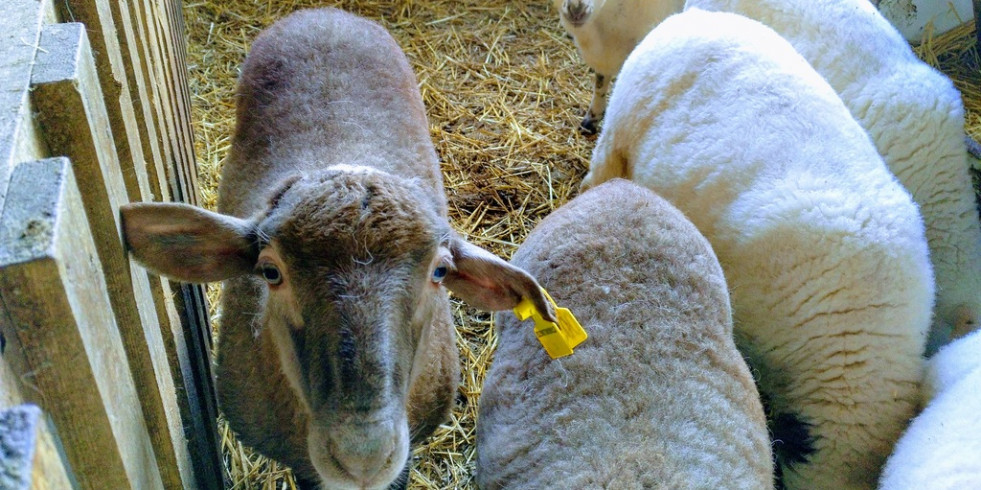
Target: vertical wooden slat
point(56, 309)
point(193, 355)
point(194, 385)
point(164, 101)
point(67, 95)
point(174, 36)
point(184, 147)
point(119, 106)
point(20, 27)
point(199, 347)
point(133, 66)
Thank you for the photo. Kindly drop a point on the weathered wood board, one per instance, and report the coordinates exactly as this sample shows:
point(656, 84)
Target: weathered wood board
point(57, 315)
point(119, 106)
point(20, 22)
point(67, 95)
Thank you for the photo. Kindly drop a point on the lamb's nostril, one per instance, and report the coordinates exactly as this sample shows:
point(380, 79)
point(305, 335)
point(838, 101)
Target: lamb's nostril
point(576, 12)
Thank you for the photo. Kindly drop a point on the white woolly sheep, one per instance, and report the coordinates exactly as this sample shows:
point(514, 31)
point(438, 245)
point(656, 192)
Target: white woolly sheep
point(337, 346)
point(823, 249)
point(941, 449)
point(605, 31)
point(657, 396)
point(916, 120)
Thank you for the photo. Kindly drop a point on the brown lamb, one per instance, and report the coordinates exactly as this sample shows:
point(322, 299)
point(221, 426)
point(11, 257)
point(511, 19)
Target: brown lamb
point(336, 347)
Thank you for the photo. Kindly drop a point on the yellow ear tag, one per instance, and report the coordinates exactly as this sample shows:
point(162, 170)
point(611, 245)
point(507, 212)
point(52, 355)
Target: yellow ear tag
point(558, 338)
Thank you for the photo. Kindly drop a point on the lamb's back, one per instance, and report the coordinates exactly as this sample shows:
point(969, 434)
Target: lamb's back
point(657, 395)
point(319, 88)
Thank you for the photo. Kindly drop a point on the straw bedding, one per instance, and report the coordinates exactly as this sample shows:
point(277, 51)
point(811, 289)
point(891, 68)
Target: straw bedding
point(505, 91)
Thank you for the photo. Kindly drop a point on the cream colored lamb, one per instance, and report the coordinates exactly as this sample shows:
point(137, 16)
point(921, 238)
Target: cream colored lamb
point(657, 396)
point(941, 449)
point(916, 120)
point(823, 250)
point(605, 31)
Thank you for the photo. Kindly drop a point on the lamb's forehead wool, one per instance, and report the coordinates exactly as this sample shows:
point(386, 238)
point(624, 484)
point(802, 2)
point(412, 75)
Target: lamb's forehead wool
point(354, 212)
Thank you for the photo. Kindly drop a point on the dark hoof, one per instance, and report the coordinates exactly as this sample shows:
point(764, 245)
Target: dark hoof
point(973, 147)
point(587, 126)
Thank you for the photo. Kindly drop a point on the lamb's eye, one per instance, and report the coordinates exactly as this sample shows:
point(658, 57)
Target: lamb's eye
point(439, 273)
point(271, 274)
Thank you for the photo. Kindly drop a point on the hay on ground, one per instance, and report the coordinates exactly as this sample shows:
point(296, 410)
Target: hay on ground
point(505, 91)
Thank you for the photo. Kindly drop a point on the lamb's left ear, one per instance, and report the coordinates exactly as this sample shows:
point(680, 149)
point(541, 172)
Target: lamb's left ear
point(487, 282)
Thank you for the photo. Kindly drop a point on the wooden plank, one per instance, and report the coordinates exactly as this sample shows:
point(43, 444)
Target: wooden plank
point(119, 106)
point(197, 323)
point(195, 394)
point(134, 71)
point(195, 362)
point(20, 27)
point(57, 309)
point(48, 12)
point(189, 351)
point(68, 98)
point(142, 77)
point(31, 457)
point(192, 303)
point(192, 379)
point(174, 34)
point(176, 177)
point(176, 84)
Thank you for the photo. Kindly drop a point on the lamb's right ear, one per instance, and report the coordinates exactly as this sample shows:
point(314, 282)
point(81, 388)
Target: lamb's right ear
point(484, 280)
point(188, 243)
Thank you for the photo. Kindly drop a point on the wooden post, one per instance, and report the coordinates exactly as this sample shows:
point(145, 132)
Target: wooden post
point(57, 311)
point(72, 115)
point(124, 59)
point(119, 105)
point(129, 51)
point(173, 36)
point(31, 456)
point(20, 27)
point(99, 16)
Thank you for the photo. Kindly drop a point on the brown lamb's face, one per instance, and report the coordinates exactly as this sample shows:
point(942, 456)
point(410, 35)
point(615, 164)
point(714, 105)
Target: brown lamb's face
point(351, 268)
point(354, 262)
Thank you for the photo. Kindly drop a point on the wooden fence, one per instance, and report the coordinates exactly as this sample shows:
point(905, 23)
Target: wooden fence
point(94, 113)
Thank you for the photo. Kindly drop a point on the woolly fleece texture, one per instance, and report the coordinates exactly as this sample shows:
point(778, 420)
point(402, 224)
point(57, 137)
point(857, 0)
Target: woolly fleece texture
point(941, 449)
point(823, 249)
point(916, 120)
point(657, 396)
